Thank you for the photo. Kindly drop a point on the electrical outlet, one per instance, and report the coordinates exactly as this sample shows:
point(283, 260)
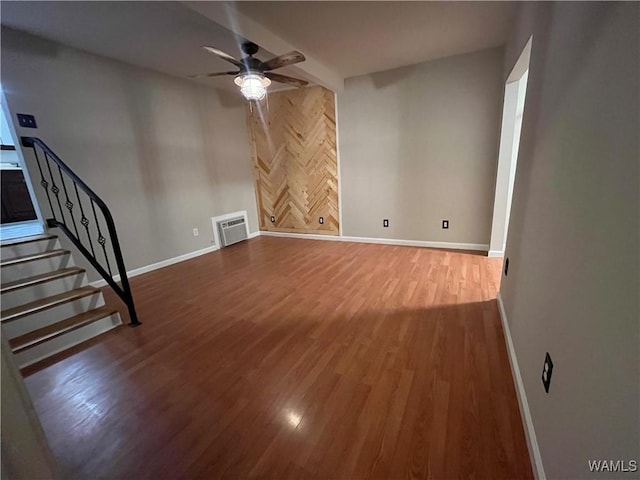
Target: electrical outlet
point(506, 267)
point(445, 223)
point(321, 220)
point(195, 232)
point(385, 222)
point(547, 369)
point(27, 121)
point(273, 219)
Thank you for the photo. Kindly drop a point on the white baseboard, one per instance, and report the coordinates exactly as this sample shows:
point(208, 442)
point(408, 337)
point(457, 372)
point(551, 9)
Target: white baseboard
point(496, 253)
point(525, 413)
point(155, 266)
point(383, 241)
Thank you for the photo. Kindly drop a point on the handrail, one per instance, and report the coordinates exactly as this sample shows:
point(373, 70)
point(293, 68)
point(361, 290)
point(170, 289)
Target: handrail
point(50, 186)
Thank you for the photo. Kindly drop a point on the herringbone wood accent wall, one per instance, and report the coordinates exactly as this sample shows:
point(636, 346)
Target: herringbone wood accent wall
point(295, 161)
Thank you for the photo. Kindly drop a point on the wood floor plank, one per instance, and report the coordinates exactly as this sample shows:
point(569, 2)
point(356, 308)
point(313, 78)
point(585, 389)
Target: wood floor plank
point(287, 358)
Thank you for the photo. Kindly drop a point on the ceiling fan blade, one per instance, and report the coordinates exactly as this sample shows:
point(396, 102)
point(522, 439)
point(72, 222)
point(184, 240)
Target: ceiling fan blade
point(223, 55)
point(284, 79)
point(217, 74)
point(283, 60)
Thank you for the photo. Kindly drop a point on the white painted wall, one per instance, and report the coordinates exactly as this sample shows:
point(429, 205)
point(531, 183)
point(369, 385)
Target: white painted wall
point(6, 156)
point(164, 153)
point(419, 145)
point(5, 136)
point(574, 247)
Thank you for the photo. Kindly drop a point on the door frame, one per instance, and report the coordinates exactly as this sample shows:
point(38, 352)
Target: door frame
point(21, 162)
point(514, 92)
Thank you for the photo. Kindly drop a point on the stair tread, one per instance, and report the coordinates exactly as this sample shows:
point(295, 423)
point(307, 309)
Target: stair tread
point(35, 256)
point(29, 239)
point(47, 302)
point(41, 335)
point(40, 278)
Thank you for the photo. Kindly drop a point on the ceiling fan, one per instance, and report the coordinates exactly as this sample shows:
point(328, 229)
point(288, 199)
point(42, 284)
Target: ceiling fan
point(254, 76)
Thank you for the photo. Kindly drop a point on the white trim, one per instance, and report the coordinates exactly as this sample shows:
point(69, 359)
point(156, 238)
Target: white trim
point(165, 263)
point(339, 178)
point(155, 266)
point(525, 413)
point(495, 253)
point(383, 241)
point(227, 216)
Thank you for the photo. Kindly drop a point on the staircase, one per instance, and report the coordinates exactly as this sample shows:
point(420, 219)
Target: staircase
point(47, 304)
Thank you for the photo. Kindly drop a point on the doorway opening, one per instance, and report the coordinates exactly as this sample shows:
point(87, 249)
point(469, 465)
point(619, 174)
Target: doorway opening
point(20, 213)
point(512, 113)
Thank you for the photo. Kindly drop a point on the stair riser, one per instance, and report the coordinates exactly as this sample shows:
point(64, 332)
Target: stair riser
point(22, 270)
point(49, 316)
point(31, 248)
point(63, 342)
point(42, 290)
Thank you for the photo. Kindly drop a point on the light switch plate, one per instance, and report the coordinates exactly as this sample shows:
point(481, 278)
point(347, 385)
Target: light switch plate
point(27, 121)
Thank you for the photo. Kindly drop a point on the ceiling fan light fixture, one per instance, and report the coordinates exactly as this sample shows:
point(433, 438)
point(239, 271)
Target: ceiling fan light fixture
point(253, 86)
point(251, 76)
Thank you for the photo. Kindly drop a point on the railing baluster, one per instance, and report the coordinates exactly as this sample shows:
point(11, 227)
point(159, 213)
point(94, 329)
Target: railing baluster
point(54, 189)
point(43, 182)
point(84, 220)
point(101, 240)
point(123, 289)
point(68, 203)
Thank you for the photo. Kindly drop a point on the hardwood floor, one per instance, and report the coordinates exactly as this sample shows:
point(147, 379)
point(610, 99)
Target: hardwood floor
point(286, 358)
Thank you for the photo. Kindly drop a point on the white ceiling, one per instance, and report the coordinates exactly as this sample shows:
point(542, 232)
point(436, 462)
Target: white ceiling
point(362, 37)
point(344, 38)
point(162, 36)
